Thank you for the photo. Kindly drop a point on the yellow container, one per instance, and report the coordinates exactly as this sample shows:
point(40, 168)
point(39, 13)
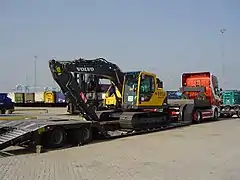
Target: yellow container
point(49, 97)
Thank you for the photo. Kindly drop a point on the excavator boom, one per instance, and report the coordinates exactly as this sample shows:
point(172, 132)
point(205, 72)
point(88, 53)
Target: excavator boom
point(62, 72)
point(71, 89)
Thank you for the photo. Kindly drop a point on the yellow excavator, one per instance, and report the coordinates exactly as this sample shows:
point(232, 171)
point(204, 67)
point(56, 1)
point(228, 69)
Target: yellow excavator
point(143, 98)
point(111, 99)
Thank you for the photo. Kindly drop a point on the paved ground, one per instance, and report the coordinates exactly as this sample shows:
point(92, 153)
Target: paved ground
point(208, 151)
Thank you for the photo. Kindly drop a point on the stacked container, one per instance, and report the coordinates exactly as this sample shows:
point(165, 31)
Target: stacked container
point(39, 97)
point(49, 97)
point(11, 95)
point(29, 97)
point(60, 97)
point(19, 97)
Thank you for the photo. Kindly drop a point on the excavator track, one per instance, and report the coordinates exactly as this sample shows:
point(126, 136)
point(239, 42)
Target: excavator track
point(143, 120)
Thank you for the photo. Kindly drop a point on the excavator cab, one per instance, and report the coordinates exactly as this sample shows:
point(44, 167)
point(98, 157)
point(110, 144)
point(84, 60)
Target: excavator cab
point(142, 90)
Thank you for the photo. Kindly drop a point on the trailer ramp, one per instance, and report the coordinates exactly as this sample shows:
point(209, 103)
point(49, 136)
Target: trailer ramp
point(21, 132)
point(14, 132)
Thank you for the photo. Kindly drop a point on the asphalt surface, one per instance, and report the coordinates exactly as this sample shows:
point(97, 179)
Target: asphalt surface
point(208, 151)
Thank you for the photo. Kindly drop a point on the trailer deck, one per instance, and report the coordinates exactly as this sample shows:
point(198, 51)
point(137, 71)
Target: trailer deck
point(25, 132)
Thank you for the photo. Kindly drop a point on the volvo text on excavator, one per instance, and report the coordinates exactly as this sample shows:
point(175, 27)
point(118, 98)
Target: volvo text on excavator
point(88, 73)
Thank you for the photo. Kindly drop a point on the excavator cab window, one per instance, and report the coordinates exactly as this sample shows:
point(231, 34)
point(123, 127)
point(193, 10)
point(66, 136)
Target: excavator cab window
point(131, 83)
point(159, 83)
point(130, 89)
point(147, 87)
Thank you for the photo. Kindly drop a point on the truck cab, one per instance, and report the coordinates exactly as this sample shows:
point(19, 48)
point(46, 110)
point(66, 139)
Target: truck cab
point(200, 97)
point(202, 85)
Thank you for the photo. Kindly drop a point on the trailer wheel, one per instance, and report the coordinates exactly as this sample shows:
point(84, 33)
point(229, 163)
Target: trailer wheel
point(227, 108)
point(9, 112)
point(197, 117)
point(55, 138)
point(3, 111)
point(215, 115)
point(236, 108)
point(238, 114)
point(80, 136)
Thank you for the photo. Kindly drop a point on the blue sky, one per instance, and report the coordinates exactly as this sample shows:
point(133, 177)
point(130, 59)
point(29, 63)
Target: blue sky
point(167, 37)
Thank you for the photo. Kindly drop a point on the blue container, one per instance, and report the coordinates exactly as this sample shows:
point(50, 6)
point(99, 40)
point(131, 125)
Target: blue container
point(60, 97)
point(174, 95)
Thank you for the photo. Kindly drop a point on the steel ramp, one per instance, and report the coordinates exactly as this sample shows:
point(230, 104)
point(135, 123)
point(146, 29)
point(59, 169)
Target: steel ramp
point(14, 132)
point(6, 139)
point(18, 132)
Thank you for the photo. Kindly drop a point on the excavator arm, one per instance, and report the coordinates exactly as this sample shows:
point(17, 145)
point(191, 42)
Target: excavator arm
point(62, 73)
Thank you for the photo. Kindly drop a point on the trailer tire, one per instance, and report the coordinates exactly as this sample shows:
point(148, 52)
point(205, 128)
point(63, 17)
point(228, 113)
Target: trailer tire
point(9, 111)
point(215, 115)
point(3, 111)
point(227, 108)
point(238, 114)
point(55, 138)
point(237, 108)
point(196, 117)
point(80, 136)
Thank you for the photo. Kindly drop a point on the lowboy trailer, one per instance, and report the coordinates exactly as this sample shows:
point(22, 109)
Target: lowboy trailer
point(144, 109)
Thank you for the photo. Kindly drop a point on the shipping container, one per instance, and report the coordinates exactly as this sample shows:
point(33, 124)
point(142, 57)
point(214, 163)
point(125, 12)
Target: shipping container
point(39, 97)
point(49, 97)
point(29, 97)
point(19, 97)
point(11, 95)
point(231, 97)
point(60, 97)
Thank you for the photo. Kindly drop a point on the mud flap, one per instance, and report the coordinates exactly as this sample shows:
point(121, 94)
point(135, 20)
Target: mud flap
point(186, 112)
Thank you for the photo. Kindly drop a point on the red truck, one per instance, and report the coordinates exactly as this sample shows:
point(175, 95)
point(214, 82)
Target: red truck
point(200, 99)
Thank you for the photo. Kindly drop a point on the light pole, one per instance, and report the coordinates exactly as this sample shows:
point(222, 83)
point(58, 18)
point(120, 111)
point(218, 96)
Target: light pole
point(35, 72)
point(222, 31)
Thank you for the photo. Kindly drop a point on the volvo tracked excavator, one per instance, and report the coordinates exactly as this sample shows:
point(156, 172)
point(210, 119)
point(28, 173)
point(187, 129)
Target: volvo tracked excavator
point(143, 98)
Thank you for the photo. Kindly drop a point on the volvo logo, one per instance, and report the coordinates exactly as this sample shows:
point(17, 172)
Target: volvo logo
point(85, 69)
